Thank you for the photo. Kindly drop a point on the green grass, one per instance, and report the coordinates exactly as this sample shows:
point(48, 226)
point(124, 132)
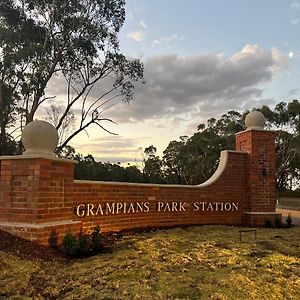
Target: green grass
point(207, 262)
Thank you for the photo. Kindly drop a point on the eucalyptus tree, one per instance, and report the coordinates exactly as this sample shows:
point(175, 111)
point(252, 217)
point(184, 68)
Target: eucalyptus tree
point(285, 119)
point(43, 40)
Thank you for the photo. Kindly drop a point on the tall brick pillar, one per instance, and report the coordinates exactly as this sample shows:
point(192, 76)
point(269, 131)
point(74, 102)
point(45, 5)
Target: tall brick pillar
point(261, 191)
point(36, 187)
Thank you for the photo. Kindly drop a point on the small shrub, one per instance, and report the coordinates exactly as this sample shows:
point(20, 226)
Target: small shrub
point(268, 223)
point(289, 220)
point(53, 239)
point(278, 222)
point(96, 238)
point(70, 244)
point(83, 243)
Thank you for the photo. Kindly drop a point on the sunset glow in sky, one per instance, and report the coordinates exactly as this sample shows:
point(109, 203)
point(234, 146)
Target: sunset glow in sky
point(202, 58)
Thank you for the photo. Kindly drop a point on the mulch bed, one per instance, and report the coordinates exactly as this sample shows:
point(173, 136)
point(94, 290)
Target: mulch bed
point(26, 249)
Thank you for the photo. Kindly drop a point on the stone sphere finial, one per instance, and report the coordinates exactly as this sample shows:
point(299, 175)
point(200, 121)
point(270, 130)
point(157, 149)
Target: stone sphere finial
point(39, 137)
point(255, 120)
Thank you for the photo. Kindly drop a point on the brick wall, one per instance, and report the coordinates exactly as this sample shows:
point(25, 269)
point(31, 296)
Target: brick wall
point(228, 188)
point(39, 195)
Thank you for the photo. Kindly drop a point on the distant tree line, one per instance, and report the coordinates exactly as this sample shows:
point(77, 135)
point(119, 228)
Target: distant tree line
point(192, 160)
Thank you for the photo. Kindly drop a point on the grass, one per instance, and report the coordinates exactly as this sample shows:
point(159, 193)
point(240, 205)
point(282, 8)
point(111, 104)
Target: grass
point(207, 262)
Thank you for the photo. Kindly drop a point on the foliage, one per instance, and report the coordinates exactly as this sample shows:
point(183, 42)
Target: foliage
point(75, 41)
point(285, 118)
point(82, 244)
point(70, 244)
point(192, 160)
point(96, 237)
point(289, 220)
point(152, 171)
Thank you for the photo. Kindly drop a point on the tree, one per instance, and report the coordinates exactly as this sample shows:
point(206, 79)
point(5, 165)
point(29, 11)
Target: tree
point(173, 158)
point(285, 118)
point(7, 119)
point(152, 166)
point(76, 40)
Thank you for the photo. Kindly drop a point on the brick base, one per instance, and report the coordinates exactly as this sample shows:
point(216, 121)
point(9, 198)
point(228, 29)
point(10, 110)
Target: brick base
point(40, 233)
point(260, 218)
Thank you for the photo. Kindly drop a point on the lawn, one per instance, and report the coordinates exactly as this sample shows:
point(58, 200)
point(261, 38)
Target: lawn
point(206, 262)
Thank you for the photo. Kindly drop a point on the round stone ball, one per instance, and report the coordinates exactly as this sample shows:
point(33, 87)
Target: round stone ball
point(39, 137)
point(255, 120)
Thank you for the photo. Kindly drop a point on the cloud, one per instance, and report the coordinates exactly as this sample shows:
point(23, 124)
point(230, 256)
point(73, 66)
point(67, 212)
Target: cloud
point(137, 36)
point(295, 5)
point(112, 146)
point(180, 88)
point(186, 85)
point(166, 41)
point(143, 24)
point(293, 92)
point(294, 21)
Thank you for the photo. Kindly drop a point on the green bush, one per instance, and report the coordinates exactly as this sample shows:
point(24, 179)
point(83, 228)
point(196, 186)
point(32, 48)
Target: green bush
point(96, 238)
point(289, 220)
point(70, 244)
point(84, 244)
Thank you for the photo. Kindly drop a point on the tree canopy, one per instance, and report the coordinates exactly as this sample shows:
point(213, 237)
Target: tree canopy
point(76, 40)
point(193, 160)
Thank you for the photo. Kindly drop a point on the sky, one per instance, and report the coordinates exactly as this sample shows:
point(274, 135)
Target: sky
point(202, 58)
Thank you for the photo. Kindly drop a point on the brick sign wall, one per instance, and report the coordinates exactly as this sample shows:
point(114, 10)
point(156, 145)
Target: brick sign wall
point(38, 194)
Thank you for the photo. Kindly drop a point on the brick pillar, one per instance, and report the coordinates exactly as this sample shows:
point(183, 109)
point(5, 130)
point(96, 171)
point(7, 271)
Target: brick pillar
point(36, 196)
point(261, 190)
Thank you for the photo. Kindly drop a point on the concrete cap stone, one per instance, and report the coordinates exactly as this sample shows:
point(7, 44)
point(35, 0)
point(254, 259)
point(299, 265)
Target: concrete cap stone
point(39, 138)
point(255, 120)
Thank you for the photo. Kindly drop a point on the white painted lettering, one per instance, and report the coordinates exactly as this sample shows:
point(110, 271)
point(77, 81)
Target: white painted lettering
point(80, 211)
point(139, 207)
point(227, 206)
point(90, 208)
point(181, 206)
point(131, 208)
point(235, 206)
point(110, 208)
point(99, 209)
point(167, 207)
point(146, 207)
point(174, 206)
point(160, 205)
point(196, 206)
point(119, 207)
point(209, 207)
point(216, 205)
